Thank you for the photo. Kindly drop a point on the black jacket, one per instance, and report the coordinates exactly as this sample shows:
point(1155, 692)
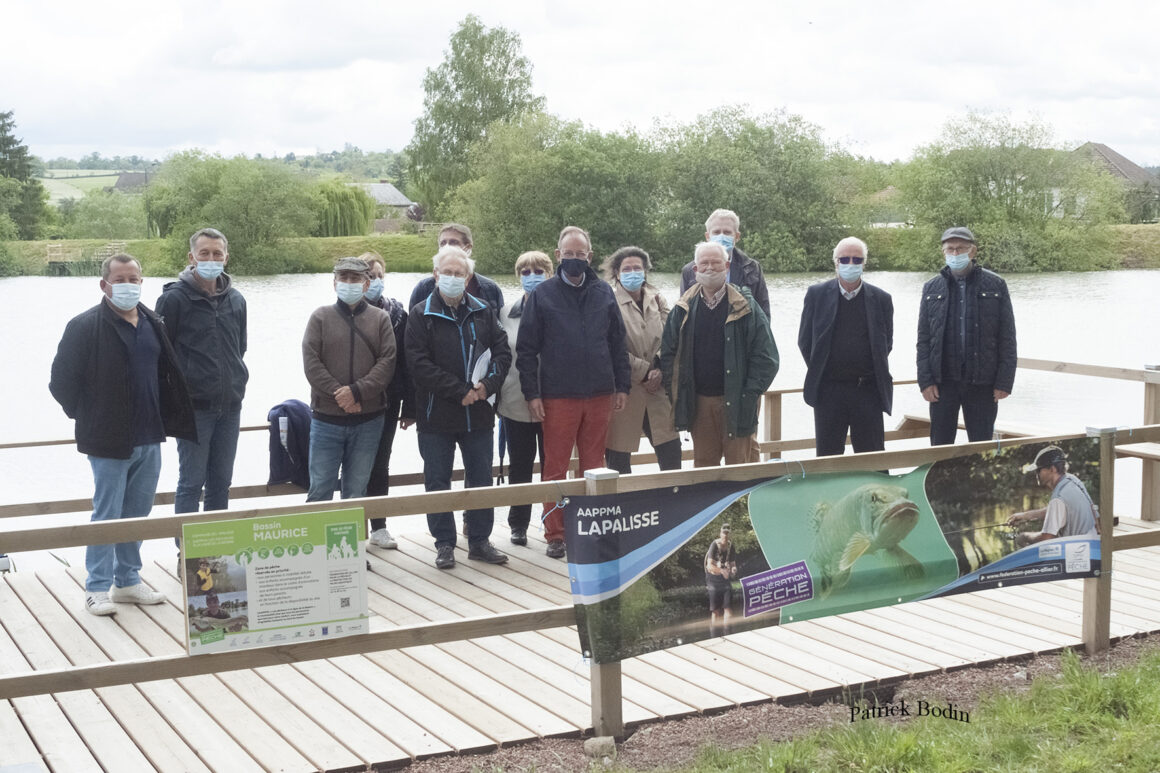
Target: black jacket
point(209, 336)
point(815, 334)
point(990, 341)
point(742, 266)
point(90, 380)
point(489, 291)
point(442, 350)
point(290, 451)
point(572, 341)
point(399, 390)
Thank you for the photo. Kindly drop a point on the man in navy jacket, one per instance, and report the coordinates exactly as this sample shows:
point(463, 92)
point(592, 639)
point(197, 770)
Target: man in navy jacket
point(573, 363)
point(966, 351)
point(846, 334)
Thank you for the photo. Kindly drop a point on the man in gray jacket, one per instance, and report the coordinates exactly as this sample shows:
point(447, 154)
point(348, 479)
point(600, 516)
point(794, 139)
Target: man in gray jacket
point(206, 319)
point(348, 353)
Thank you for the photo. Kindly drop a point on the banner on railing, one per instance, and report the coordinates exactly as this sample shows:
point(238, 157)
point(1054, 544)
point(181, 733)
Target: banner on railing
point(270, 580)
point(655, 569)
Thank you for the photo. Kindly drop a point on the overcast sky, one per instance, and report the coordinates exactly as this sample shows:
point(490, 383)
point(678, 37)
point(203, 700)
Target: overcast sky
point(880, 78)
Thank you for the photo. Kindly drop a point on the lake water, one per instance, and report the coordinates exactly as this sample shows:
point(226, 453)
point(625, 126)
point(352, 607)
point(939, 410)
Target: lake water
point(1106, 318)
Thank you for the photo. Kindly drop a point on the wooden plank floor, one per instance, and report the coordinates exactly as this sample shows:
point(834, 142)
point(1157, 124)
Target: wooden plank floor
point(470, 696)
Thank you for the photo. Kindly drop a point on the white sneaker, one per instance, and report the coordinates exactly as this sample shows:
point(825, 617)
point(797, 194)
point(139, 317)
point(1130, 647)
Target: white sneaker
point(98, 604)
point(381, 538)
point(136, 594)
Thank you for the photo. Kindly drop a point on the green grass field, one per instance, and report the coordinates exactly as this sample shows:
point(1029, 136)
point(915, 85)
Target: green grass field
point(75, 183)
point(1082, 720)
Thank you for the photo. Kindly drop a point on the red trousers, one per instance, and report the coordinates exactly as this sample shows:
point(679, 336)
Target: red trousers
point(571, 423)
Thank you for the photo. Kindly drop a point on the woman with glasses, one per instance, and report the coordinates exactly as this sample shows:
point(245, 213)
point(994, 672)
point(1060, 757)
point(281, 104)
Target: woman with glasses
point(644, 312)
point(524, 436)
point(846, 333)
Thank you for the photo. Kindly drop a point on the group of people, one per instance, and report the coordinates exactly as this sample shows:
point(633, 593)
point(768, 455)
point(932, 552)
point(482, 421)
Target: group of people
point(578, 362)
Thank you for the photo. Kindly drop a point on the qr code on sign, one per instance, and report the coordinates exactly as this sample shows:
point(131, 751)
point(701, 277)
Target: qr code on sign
point(344, 602)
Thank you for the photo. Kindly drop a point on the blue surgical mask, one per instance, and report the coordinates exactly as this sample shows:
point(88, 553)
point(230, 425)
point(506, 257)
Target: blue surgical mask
point(452, 286)
point(531, 281)
point(375, 290)
point(724, 240)
point(210, 269)
point(849, 272)
point(349, 293)
point(126, 295)
point(958, 262)
point(573, 267)
point(632, 280)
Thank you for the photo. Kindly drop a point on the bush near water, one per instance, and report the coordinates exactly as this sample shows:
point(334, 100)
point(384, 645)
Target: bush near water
point(891, 249)
point(297, 255)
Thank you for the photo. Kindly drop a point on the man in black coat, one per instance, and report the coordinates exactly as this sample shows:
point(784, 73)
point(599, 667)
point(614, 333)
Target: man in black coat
point(479, 286)
point(846, 334)
point(966, 343)
point(116, 374)
point(724, 228)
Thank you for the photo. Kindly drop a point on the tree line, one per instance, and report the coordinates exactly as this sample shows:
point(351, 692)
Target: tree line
point(486, 153)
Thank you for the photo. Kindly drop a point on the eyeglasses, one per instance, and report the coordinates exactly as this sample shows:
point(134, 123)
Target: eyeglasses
point(529, 271)
point(569, 255)
point(846, 260)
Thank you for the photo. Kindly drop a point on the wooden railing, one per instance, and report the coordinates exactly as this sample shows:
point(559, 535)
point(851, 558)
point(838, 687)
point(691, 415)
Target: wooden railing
point(605, 681)
point(771, 443)
point(913, 426)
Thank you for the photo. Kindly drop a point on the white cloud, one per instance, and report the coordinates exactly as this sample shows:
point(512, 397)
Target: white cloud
point(881, 78)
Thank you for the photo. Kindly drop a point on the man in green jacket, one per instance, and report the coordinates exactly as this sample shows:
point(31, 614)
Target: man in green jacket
point(718, 357)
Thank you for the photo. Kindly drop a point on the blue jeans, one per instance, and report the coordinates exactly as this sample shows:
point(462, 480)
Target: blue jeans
point(123, 488)
point(438, 452)
point(351, 448)
point(208, 463)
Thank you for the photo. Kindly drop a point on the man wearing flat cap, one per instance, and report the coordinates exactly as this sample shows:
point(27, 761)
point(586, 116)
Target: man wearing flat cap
point(348, 353)
point(1069, 513)
point(966, 342)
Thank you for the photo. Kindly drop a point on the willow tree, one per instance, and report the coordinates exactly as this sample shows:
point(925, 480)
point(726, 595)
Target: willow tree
point(347, 210)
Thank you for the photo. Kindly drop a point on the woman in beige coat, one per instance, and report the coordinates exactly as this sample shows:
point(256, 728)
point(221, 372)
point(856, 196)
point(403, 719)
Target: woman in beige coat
point(644, 312)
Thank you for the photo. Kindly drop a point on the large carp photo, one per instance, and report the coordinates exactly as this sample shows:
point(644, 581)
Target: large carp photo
point(805, 547)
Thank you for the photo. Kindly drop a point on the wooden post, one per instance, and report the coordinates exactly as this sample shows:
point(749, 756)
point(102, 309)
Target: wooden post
point(607, 708)
point(1150, 472)
point(771, 421)
point(1097, 591)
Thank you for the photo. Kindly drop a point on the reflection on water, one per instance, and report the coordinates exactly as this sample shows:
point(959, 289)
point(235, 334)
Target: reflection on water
point(1103, 318)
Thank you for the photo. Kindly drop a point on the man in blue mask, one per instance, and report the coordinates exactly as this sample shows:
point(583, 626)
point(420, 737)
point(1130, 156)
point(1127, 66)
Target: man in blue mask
point(458, 357)
point(116, 374)
point(479, 286)
point(348, 354)
point(206, 319)
point(724, 227)
point(845, 337)
point(966, 342)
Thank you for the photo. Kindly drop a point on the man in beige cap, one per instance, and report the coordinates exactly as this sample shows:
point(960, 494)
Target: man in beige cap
point(348, 353)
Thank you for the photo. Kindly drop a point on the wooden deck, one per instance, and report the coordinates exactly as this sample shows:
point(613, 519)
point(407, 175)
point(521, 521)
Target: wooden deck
point(468, 696)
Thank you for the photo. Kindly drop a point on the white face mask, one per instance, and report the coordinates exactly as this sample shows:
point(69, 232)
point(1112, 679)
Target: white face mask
point(711, 280)
point(125, 295)
point(958, 262)
point(349, 292)
point(452, 286)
